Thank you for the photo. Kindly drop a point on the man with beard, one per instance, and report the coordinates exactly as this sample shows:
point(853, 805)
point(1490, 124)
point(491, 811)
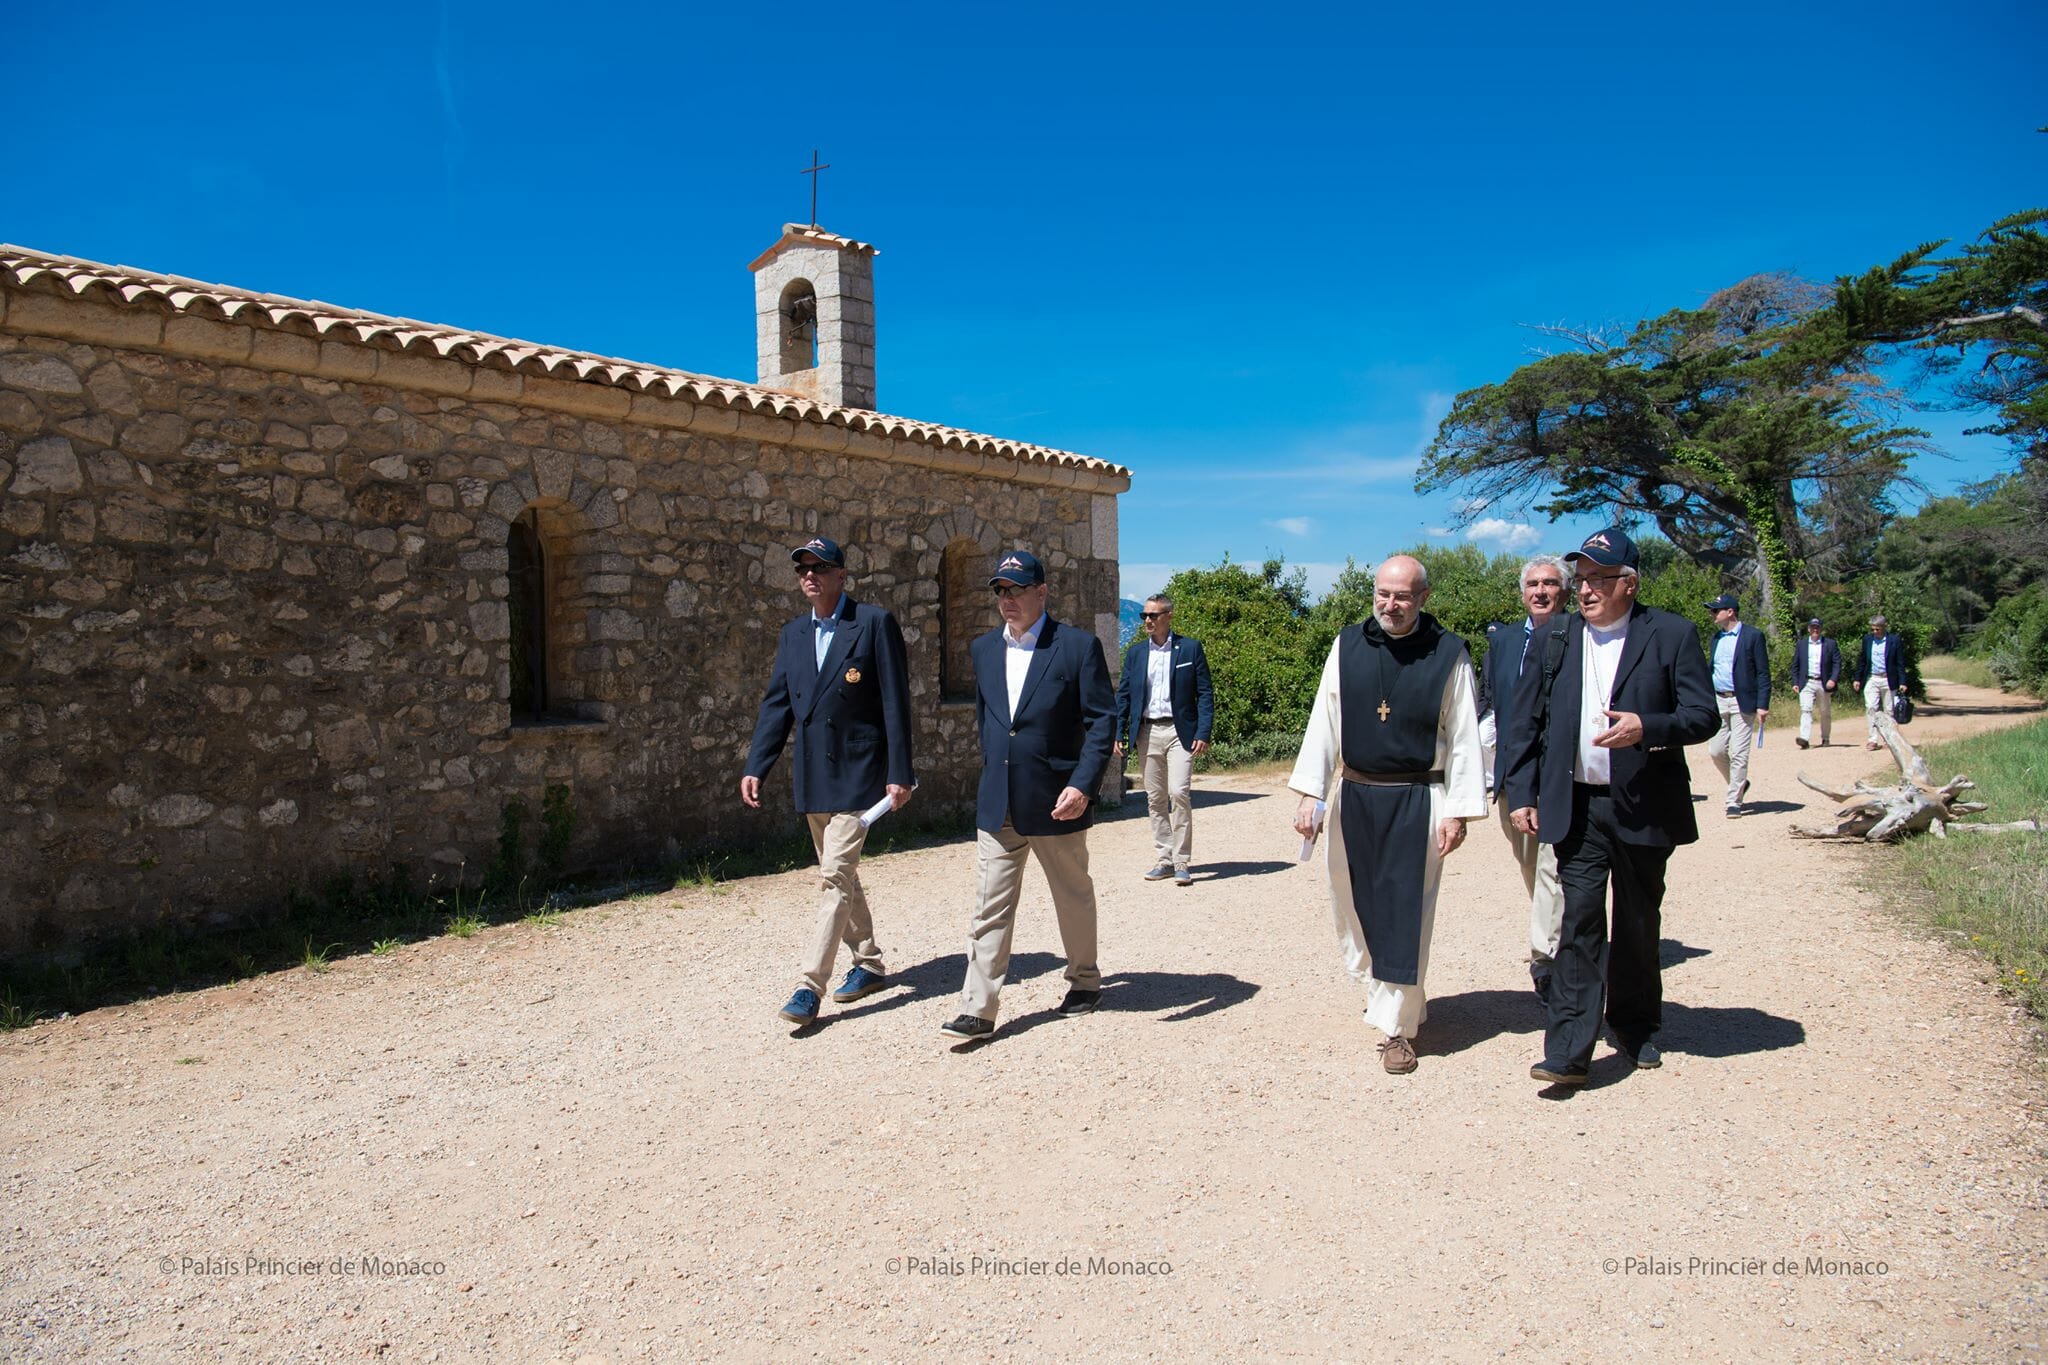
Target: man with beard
point(1392, 748)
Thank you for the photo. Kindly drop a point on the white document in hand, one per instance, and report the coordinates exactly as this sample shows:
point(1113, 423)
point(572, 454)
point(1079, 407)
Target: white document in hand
point(876, 811)
point(1308, 844)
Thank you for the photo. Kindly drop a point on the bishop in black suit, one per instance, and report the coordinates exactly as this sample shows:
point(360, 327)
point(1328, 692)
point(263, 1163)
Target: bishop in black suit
point(1596, 767)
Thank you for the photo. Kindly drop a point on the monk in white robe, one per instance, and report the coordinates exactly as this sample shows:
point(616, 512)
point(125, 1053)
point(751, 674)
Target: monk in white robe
point(1392, 748)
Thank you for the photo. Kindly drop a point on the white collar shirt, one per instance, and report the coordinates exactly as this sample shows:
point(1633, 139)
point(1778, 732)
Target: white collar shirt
point(1600, 658)
point(1159, 681)
point(1017, 653)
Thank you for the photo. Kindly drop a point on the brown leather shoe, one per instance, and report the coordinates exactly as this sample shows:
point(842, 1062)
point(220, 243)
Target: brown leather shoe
point(1397, 1055)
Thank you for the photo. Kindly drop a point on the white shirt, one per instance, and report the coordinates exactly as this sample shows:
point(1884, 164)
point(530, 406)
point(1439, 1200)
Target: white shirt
point(1812, 657)
point(1017, 659)
point(1601, 657)
point(1159, 681)
point(823, 628)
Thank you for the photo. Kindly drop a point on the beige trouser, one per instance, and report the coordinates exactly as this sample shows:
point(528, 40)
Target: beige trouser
point(843, 907)
point(1538, 862)
point(1729, 748)
point(1063, 858)
point(1169, 772)
point(1816, 700)
point(1877, 696)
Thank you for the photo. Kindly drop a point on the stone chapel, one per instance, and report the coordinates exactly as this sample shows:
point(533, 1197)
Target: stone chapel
point(290, 591)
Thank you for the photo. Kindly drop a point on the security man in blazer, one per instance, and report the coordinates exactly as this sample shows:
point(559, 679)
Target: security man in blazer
point(1816, 670)
point(1880, 672)
point(1047, 716)
point(1169, 727)
point(1596, 767)
point(1740, 662)
point(841, 685)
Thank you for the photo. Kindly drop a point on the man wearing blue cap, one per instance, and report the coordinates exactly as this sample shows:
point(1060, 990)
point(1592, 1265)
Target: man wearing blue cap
point(841, 684)
point(1596, 767)
point(1742, 693)
point(1047, 717)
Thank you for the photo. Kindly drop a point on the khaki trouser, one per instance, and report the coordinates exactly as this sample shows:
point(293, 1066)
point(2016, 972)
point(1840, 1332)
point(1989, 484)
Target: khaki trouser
point(1538, 862)
point(1877, 696)
point(1730, 746)
point(1063, 858)
point(843, 907)
point(1169, 775)
point(1816, 700)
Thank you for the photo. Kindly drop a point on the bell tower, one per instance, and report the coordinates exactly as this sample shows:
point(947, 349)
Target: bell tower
point(814, 316)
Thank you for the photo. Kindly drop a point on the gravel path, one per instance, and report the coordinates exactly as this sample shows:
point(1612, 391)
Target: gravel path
point(596, 1142)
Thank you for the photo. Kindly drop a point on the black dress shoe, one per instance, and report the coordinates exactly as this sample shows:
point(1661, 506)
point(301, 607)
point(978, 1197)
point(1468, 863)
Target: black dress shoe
point(1079, 1002)
point(968, 1027)
point(1645, 1056)
point(1558, 1075)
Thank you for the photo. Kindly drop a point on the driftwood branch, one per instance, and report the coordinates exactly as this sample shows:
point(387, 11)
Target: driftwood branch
point(1875, 814)
point(2032, 315)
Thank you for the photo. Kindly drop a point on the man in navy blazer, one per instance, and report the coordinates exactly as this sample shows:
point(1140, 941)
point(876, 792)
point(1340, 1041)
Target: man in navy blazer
point(1165, 705)
point(841, 685)
point(1742, 693)
point(1544, 580)
point(1880, 673)
point(1816, 669)
point(1047, 716)
point(1596, 767)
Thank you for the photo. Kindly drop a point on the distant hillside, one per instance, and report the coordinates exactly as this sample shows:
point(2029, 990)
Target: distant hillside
point(1127, 616)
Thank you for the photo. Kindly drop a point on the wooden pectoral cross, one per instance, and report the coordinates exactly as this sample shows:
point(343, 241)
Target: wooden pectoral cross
point(1383, 710)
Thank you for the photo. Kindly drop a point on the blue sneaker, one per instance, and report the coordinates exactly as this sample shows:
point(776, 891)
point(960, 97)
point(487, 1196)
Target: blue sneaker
point(802, 1007)
point(860, 981)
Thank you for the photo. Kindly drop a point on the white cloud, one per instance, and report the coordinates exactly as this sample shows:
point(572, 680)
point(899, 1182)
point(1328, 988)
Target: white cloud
point(1439, 532)
point(1504, 536)
point(1293, 526)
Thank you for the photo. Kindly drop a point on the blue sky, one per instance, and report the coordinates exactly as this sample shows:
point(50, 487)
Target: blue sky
point(1251, 253)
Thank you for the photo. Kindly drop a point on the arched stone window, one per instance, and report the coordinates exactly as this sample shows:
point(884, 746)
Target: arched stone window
point(799, 309)
point(526, 572)
point(966, 609)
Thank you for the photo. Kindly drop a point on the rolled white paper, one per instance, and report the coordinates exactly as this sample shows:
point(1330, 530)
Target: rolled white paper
point(876, 812)
point(1308, 844)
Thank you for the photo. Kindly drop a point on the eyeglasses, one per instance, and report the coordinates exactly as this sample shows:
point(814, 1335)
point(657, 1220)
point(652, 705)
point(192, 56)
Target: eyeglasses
point(1009, 590)
point(813, 568)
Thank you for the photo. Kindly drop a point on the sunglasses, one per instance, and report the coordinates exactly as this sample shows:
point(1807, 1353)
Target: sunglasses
point(813, 568)
point(1009, 590)
point(1153, 615)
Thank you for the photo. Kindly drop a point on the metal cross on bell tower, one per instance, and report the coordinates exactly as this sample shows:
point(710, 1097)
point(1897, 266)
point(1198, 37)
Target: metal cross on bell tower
point(812, 171)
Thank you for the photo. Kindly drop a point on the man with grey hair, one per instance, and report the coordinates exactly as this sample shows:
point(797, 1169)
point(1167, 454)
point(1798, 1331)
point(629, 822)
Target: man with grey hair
point(1392, 752)
point(1544, 582)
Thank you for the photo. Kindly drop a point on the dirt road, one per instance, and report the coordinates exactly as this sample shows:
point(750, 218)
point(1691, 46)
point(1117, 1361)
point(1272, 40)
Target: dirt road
point(596, 1142)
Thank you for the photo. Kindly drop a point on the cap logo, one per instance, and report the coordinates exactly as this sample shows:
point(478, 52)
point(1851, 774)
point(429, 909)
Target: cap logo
point(1599, 538)
point(814, 545)
point(1011, 563)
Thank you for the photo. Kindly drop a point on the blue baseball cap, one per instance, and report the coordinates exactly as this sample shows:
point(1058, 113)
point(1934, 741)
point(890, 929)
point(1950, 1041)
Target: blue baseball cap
point(827, 550)
point(1018, 566)
point(1610, 549)
point(1725, 602)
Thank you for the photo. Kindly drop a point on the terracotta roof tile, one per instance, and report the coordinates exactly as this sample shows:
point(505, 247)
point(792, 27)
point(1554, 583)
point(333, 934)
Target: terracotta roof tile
point(130, 288)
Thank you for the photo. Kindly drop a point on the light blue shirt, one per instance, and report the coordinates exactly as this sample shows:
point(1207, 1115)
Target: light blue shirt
point(825, 627)
point(1724, 661)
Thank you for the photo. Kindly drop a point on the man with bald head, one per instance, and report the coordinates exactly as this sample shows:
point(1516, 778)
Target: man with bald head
point(1392, 750)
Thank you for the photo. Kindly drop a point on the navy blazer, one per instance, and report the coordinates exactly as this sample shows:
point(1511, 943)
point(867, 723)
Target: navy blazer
point(1192, 695)
point(1663, 678)
point(1830, 661)
point(1059, 738)
point(1894, 663)
point(1752, 667)
point(851, 717)
point(1498, 673)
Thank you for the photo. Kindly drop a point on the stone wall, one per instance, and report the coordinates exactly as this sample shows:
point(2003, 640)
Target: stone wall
point(253, 620)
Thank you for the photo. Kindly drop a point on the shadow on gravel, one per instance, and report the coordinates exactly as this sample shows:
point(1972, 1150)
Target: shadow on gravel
point(1188, 995)
point(1670, 952)
point(1750, 808)
point(1203, 800)
point(1457, 1022)
point(1737, 1031)
point(931, 980)
point(1216, 872)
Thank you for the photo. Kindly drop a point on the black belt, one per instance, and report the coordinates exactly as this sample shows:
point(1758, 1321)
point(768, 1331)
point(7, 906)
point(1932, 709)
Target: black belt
point(1352, 774)
point(1724, 694)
